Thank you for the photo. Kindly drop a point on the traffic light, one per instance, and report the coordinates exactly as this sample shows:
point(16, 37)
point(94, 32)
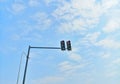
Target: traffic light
point(69, 45)
point(62, 45)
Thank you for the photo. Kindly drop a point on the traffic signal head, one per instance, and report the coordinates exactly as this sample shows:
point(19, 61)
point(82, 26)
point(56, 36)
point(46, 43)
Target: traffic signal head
point(69, 45)
point(62, 45)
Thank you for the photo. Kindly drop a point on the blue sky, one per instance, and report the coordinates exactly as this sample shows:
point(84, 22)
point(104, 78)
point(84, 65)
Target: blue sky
point(93, 26)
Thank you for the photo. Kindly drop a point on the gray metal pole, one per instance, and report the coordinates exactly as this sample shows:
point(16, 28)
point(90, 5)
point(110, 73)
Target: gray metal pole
point(25, 71)
point(20, 68)
point(24, 77)
point(26, 65)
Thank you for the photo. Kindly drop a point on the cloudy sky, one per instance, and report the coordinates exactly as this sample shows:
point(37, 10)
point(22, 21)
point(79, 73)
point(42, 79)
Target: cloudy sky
point(93, 26)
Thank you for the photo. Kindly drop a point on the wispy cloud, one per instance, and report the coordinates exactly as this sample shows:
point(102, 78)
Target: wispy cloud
point(68, 67)
point(82, 15)
point(41, 20)
point(91, 37)
point(77, 15)
point(109, 3)
point(106, 55)
point(49, 80)
point(108, 43)
point(75, 57)
point(116, 61)
point(34, 3)
point(17, 8)
point(112, 74)
point(112, 26)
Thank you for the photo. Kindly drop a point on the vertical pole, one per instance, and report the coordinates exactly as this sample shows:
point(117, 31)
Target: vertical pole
point(26, 65)
point(19, 68)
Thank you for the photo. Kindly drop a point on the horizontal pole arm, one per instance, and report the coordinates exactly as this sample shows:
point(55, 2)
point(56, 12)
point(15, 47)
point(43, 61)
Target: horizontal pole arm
point(46, 47)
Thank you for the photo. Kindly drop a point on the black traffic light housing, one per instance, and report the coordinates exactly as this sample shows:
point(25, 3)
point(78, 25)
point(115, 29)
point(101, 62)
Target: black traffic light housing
point(69, 45)
point(63, 45)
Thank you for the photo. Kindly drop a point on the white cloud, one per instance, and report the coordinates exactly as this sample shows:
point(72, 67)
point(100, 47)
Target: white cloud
point(69, 67)
point(24, 35)
point(108, 43)
point(80, 15)
point(111, 74)
point(109, 3)
point(87, 41)
point(48, 1)
point(65, 66)
point(34, 3)
point(49, 80)
point(83, 8)
point(41, 20)
point(75, 57)
point(116, 61)
point(111, 26)
point(106, 55)
point(74, 26)
point(88, 9)
point(113, 68)
point(17, 8)
point(92, 37)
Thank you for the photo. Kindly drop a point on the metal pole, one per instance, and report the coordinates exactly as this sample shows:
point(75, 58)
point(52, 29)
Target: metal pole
point(26, 65)
point(25, 71)
point(27, 58)
point(20, 68)
point(46, 47)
